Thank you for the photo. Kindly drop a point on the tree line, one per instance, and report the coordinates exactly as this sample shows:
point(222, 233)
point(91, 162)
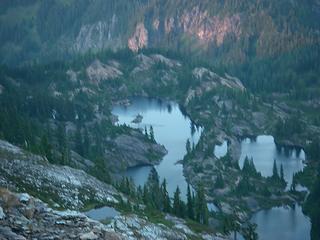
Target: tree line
point(154, 195)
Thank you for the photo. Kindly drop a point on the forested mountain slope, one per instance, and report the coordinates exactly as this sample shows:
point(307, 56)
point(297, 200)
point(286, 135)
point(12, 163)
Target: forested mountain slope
point(236, 68)
point(227, 33)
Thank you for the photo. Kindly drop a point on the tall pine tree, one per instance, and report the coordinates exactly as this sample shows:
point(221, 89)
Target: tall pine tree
point(190, 204)
point(201, 209)
point(176, 202)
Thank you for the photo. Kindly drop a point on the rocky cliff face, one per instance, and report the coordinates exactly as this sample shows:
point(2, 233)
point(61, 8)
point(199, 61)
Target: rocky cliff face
point(97, 36)
point(223, 31)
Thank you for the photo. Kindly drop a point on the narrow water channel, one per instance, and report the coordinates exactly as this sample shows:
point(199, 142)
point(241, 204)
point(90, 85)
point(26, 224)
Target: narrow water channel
point(171, 128)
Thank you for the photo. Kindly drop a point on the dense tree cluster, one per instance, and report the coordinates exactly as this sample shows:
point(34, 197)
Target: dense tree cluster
point(249, 168)
point(156, 197)
point(312, 205)
point(286, 128)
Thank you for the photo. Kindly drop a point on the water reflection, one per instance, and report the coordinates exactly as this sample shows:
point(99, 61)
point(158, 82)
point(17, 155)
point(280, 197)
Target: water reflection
point(102, 213)
point(171, 128)
point(282, 223)
point(263, 150)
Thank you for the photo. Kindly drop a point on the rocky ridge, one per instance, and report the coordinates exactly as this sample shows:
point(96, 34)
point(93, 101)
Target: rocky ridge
point(207, 28)
point(67, 187)
point(25, 217)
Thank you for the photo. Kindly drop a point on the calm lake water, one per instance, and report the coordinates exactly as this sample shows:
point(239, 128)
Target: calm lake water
point(221, 150)
point(278, 222)
point(102, 213)
point(171, 128)
point(263, 150)
point(282, 223)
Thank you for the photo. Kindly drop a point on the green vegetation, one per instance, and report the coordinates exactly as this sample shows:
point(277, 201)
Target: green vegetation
point(311, 178)
point(285, 129)
point(55, 126)
point(156, 199)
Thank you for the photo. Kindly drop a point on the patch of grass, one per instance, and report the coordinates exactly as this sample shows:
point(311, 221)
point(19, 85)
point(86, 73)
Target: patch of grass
point(198, 228)
point(91, 205)
point(106, 221)
point(158, 217)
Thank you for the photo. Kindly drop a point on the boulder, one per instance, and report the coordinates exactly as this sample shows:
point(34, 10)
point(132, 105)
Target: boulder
point(88, 236)
point(24, 198)
point(2, 215)
point(6, 233)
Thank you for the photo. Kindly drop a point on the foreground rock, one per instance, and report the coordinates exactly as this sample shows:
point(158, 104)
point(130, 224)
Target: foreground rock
point(25, 217)
point(66, 186)
point(32, 219)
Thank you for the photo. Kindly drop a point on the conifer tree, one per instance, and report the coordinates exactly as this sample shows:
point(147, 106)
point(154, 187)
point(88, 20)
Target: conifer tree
point(294, 183)
point(190, 203)
point(166, 207)
point(246, 165)
point(78, 139)
point(219, 182)
point(86, 143)
point(145, 197)
point(188, 146)
point(139, 193)
point(249, 233)
point(201, 209)
point(281, 173)
point(46, 148)
point(176, 202)
point(151, 134)
point(275, 174)
point(146, 132)
point(154, 189)
point(62, 143)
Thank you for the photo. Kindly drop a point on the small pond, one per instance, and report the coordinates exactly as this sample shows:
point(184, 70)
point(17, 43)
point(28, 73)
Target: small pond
point(282, 223)
point(221, 150)
point(102, 213)
point(263, 150)
point(278, 222)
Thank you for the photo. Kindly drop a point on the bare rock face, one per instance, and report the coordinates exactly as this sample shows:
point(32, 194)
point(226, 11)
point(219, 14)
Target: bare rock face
point(98, 25)
point(209, 80)
point(70, 187)
point(98, 71)
point(2, 215)
point(209, 28)
point(192, 22)
point(133, 227)
point(88, 236)
point(205, 75)
point(139, 39)
point(97, 36)
point(72, 76)
point(131, 151)
point(46, 223)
